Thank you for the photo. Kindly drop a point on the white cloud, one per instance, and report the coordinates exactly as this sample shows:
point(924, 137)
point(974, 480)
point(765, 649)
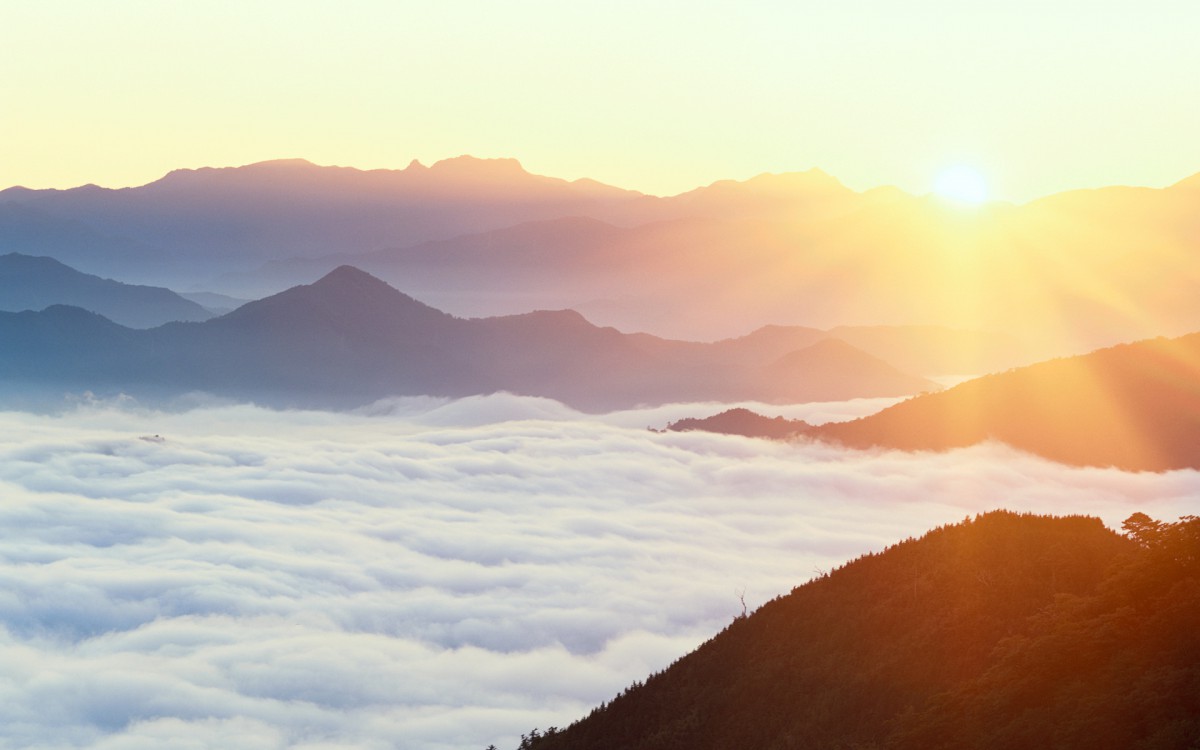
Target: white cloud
point(425, 574)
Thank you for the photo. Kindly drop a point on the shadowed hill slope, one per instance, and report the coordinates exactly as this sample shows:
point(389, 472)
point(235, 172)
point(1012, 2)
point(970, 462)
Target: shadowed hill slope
point(978, 635)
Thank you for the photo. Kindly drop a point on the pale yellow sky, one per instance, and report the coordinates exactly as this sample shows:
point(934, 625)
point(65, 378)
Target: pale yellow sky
point(656, 96)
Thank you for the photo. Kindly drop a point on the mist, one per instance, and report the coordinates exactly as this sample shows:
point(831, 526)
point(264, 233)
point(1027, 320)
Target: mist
point(429, 573)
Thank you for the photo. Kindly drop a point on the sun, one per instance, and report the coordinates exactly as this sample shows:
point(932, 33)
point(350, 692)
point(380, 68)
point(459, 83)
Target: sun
point(961, 184)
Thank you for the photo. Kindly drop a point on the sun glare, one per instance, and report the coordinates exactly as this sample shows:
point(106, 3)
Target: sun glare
point(961, 184)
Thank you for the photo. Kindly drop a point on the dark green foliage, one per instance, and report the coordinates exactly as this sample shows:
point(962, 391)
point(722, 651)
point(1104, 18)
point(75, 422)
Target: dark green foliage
point(1119, 668)
point(1008, 631)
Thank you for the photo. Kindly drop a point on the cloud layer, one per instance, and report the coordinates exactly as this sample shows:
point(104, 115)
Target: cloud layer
point(426, 574)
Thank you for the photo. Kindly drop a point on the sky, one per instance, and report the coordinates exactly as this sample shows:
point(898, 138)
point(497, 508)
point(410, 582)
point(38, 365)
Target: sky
point(655, 96)
point(427, 574)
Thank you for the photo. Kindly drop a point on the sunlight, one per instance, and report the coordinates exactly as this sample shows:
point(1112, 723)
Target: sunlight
point(961, 184)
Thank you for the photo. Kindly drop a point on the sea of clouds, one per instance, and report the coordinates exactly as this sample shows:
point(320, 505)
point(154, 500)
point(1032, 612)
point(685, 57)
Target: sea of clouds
point(428, 574)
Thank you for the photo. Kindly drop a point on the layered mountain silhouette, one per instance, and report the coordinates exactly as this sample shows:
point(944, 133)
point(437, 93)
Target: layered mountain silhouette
point(1133, 406)
point(34, 283)
point(197, 222)
point(1006, 631)
point(350, 338)
point(485, 237)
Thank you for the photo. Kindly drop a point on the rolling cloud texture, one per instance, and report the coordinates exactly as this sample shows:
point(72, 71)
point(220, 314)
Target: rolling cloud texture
point(427, 574)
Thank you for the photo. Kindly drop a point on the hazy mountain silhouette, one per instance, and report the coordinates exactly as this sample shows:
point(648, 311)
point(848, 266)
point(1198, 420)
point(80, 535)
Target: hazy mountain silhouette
point(835, 360)
point(1009, 631)
point(208, 221)
point(350, 338)
point(34, 283)
point(484, 237)
point(1053, 274)
point(217, 304)
point(937, 350)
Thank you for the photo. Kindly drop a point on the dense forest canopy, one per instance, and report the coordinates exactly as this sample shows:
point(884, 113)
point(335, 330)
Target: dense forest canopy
point(1005, 631)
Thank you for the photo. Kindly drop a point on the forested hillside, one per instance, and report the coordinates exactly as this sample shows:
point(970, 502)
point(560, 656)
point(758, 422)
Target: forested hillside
point(1006, 631)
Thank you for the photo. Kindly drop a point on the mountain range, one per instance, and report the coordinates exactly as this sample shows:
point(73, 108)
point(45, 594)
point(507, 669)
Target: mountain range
point(1004, 631)
point(349, 339)
point(480, 237)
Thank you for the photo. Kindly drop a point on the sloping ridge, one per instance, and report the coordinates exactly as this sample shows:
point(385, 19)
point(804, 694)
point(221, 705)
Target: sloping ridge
point(1008, 631)
point(30, 282)
point(346, 299)
point(342, 339)
point(1134, 406)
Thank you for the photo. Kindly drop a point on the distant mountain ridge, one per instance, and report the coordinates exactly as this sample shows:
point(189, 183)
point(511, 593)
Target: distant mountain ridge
point(479, 237)
point(197, 220)
point(349, 339)
point(34, 283)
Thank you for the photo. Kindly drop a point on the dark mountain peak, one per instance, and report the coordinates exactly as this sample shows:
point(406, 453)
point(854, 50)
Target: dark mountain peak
point(345, 276)
point(346, 297)
point(350, 287)
point(415, 166)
